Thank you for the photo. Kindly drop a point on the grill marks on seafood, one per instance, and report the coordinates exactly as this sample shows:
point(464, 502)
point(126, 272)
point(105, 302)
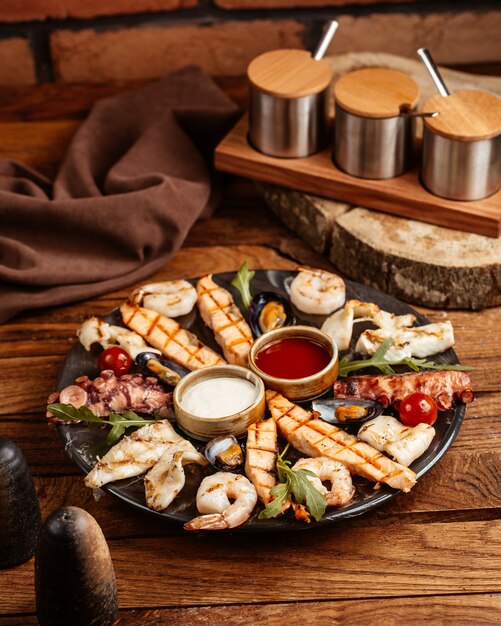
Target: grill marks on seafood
point(220, 313)
point(171, 298)
point(340, 324)
point(314, 437)
point(443, 386)
point(169, 337)
point(166, 478)
point(111, 394)
point(133, 455)
point(403, 443)
point(317, 291)
point(419, 341)
point(261, 458)
point(94, 330)
point(214, 498)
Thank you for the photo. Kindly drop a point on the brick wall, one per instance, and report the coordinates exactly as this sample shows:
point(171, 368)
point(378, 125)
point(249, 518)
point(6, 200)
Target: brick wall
point(100, 41)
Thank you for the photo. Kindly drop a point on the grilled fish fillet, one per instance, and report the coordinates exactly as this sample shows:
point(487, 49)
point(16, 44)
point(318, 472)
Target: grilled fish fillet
point(167, 335)
point(261, 458)
point(314, 437)
point(220, 313)
point(133, 455)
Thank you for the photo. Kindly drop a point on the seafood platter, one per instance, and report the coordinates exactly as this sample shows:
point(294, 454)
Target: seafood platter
point(259, 400)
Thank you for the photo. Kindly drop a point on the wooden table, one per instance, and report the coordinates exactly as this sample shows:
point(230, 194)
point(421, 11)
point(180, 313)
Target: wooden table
point(432, 554)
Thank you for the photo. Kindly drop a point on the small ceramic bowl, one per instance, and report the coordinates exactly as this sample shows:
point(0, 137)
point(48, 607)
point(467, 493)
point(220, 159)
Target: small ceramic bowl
point(298, 389)
point(206, 428)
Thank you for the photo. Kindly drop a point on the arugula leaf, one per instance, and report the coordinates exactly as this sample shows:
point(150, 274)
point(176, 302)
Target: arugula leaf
point(295, 483)
point(69, 412)
point(118, 422)
point(384, 365)
point(241, 281)
point(303, 491)
point(274, 508)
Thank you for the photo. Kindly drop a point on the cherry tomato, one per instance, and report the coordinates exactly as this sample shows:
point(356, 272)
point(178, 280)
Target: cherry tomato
point(418, 408)
point(115, 359)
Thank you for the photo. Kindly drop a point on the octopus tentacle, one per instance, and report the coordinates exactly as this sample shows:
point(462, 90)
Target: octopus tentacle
point(111, 394)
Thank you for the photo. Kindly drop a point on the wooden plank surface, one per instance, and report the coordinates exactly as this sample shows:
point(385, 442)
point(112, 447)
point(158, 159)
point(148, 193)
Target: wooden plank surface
point(328, 564)
point(451, 610)
point(433, 555)
point(403, 195)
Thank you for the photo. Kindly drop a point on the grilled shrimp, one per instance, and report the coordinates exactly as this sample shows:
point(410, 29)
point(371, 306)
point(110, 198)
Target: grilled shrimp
point(213, 499)
point(317, 291)
point(171, 298)
point(341, 491)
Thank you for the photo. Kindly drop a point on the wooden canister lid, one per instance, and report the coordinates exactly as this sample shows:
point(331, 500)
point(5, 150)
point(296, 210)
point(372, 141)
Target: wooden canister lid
point(376, 92)
point(289, 73)
point(466, 115)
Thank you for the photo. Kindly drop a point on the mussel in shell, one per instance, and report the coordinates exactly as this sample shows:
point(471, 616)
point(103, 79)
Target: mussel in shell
point(269, 311)
point(225, 453)
point(167, 372)
point(346, 411)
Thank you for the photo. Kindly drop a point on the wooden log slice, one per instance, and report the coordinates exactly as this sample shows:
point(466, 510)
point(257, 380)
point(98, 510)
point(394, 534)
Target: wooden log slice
point(416, 262)
point(413, 261)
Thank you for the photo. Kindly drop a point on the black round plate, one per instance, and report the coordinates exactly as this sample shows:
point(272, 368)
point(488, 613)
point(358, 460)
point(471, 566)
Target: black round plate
point(84, 445)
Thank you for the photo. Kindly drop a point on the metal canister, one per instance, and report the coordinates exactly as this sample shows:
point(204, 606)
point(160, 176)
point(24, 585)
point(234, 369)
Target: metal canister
point(373, 123)
point(462, 146)
point(288, 110)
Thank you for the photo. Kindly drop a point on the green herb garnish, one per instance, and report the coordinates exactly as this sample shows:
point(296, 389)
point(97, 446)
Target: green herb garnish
point(384, 365)
point(294, 482)
point(118, 422)
point(242, 282)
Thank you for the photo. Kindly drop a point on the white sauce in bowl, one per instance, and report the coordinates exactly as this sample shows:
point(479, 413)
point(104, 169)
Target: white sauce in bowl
point(219, 397)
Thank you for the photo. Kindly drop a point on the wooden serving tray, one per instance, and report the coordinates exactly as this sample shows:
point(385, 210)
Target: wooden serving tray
point(318, 175)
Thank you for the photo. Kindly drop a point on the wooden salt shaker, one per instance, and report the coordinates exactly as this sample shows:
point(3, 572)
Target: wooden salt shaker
point(462, 146)
point(288, 111)
point(373, 123)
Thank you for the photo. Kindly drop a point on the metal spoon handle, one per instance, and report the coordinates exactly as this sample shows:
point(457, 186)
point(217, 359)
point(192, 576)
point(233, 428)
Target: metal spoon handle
point(323, 44)
point(430, 65)
point(419, 114)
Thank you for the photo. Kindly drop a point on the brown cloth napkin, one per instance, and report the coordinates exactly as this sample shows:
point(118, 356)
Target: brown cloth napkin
point(135, 179)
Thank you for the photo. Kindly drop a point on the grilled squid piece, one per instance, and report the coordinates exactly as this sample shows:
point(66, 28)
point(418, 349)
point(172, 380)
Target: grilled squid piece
point(166, 478)
point(402, 443)
point(339, 325)
point(420, 341)
point(443, 386)
point(94, 330)
point(133, 455)
point(111, 394)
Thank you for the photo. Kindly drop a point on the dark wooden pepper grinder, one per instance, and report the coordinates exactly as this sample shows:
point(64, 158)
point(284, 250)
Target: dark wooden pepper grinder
point(74, 575)
point(20, 518)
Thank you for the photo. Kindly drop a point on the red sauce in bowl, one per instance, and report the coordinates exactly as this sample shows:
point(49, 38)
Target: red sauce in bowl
point(293, 357)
